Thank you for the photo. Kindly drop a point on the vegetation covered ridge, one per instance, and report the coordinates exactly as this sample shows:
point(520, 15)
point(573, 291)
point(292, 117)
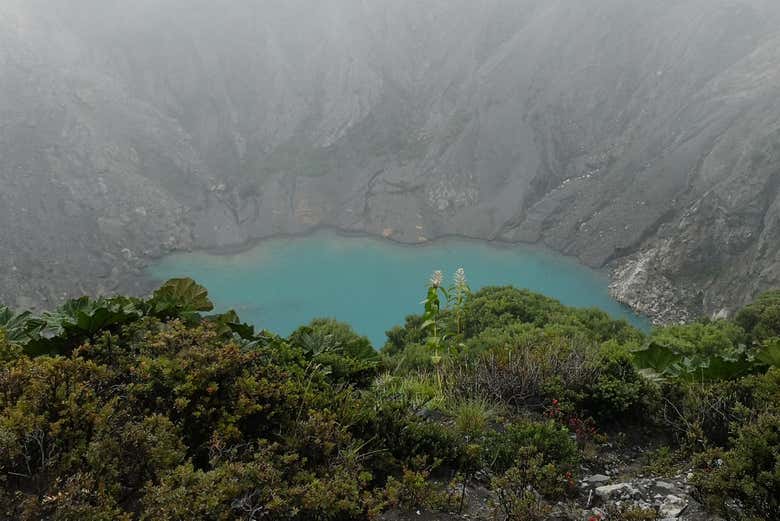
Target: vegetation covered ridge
point(500, 404)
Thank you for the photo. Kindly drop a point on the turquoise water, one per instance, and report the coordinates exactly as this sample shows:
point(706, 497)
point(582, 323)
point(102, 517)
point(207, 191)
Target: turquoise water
point(373, 284)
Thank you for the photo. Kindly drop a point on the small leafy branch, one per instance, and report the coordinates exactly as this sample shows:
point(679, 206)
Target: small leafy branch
point(584, 429)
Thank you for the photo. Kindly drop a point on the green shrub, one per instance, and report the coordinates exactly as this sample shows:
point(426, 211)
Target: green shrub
point(433, 440)
point(212, 386)
point(517, 492)
point(339, 335)
point(603, 327)
point(415, 357)
point(707, 351)
point(618, 392)
point(497, 338)
point(496, 307)
point(272, 484)
point(415, 390)
point(764, 390)
point(700, 414)
point(129, 453)
point(528, 373)
point(472, 417)
point(551, 442)
point(397, 434)
point(720, 337)
point(413, 491)
point(761, 319)
point(8, 350)
point(348, 370)
point(400, 338)
point(749, 473)
point(663, 461)
point(76, 498)
point(151, 411)
point(499, 306)
point(348, 356)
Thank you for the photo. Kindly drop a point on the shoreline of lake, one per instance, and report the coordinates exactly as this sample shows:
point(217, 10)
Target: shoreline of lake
point(277, 263)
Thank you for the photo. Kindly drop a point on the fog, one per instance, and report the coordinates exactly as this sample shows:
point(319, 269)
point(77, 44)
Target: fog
point(628, 133)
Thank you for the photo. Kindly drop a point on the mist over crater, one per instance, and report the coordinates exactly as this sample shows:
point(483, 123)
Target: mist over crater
point(639, 136)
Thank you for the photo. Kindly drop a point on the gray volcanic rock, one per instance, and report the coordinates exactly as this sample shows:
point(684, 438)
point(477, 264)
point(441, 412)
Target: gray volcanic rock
point(633, 134)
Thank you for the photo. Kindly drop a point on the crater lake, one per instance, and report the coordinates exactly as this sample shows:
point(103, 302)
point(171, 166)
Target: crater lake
point(373, 284)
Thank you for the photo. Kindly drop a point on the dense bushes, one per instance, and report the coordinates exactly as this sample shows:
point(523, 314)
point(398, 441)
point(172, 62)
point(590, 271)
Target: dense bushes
point(719, 350)
point(348, 356)
point(170, 415)
point(548, 440)
point(146, 409)
point(744, 482)
point(496, 307)
point(761, 319)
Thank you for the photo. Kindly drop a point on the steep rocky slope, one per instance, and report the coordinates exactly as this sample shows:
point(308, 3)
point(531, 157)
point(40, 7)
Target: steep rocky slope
point(640, 135)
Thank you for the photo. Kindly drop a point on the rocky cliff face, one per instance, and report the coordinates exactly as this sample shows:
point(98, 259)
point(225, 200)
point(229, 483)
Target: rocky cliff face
point(639, 135)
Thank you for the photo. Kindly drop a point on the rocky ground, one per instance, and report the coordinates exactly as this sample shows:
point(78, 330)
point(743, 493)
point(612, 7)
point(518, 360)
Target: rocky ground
point(621, 483)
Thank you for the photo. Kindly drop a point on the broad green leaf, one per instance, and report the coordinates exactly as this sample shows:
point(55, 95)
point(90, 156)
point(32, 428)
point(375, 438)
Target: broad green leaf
point(230, 322)
point(56, 332)
point(427, 324)
point(180, 295)
point(712, 368)
point(656, 357)
point(17, 326)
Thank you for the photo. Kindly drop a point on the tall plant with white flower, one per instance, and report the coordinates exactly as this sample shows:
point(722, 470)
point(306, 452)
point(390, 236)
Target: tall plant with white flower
point(433, 309)
point(454, 299)
point(457, 296)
